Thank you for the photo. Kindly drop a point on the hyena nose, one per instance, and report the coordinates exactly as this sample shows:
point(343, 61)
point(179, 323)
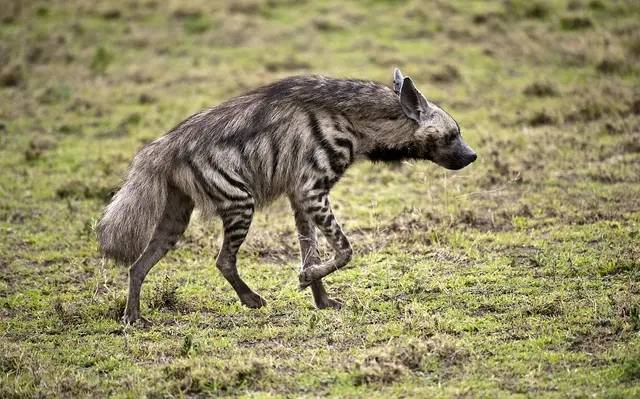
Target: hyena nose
point(473, 157)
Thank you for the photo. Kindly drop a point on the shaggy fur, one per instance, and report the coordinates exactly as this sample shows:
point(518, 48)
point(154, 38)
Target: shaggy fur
point(294, 137)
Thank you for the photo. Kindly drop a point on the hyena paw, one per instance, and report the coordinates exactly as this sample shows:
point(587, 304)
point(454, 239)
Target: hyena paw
point(304, 279)
point(329, 303)
point(253, 300)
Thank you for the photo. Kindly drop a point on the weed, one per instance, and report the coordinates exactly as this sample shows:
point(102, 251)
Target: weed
point(446, 74)
point(575, 22)
point(11, 75)
point(541, 89)
point(38, 146)
point(101, 60)
point(527, 9)
point(196, 25)
point(165, 295)
point(541, 118)
point(631, 369)
point(613, 66)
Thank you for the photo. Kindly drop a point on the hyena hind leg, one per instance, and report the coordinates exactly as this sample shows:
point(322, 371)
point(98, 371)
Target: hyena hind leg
point(317, 208)
point(309, 256)
point(236, 224)
point(172, 225)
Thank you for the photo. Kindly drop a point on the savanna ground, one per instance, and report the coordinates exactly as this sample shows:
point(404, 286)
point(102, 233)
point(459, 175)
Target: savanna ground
point(518, 276)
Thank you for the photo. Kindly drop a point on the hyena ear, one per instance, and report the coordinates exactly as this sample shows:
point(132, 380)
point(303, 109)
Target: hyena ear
point(412, 101)
point(397, 81)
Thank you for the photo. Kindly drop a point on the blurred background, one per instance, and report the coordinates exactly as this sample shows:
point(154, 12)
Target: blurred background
point(517, 274)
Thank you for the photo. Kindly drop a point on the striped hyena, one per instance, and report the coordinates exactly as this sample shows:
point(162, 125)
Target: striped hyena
point(296, 137)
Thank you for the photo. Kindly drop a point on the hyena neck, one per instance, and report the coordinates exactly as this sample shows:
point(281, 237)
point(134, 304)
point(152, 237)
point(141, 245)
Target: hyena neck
point(389, 138)
point(384, 132)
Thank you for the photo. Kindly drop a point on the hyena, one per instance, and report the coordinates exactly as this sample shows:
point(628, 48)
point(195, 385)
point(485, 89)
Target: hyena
point(296, 137)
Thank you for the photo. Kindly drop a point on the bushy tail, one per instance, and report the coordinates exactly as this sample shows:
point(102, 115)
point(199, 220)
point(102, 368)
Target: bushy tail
point(133, 214)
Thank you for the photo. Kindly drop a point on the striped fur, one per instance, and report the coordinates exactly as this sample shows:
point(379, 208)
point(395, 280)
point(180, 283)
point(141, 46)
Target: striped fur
point(295, 137)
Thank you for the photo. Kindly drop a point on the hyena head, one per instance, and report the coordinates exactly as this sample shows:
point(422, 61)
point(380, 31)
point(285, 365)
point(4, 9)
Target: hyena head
point(437, 136)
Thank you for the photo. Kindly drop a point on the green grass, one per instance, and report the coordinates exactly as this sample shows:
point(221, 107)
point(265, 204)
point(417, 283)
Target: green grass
point(518, 276)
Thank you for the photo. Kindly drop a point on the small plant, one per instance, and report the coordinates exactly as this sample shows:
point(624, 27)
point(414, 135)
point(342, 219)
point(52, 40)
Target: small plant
point(541, 118)
point(527, 9)
point(448, 73)
point(187, 345)
point(11, 76)
point(165, 296)
point(101, 60)
point(196, 25)
point(541, 89)
point(631, 368)
point(575, 23)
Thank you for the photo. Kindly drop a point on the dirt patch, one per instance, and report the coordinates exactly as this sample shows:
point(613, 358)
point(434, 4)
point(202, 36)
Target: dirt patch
point(526, 9)
point(634, 107)
point(541, 118)
point(290, 63)
point(575, 22)
point(165, 297)
point(446, 74)
point(12, 76)
point(38, 146)
point(387, 365)
point(248, 7)
point(111, 14)
point(597, 339)
point(123, 127)
point(328, 25)
point(613, 65)
point(486, 17)
point(146, 98)
point(588, 111)
point(186, 13)
point(627, 305)
point(279, 248)
point(194, 380)
point(545, 307)
point(54, 95)
point(83, 190)
point(484, 220)
point(524, 256)
point(630, 145)
point(541, 89)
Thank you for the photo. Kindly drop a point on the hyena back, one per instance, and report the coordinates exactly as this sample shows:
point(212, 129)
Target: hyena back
point(294, 137)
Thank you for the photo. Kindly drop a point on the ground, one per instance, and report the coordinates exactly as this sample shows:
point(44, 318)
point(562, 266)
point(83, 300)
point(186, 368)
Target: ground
point(517, 276)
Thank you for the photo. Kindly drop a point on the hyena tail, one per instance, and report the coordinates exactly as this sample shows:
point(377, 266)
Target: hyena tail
point(133, 214)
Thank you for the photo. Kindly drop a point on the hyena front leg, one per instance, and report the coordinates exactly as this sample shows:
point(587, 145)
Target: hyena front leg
point(309, 255)
point(317, 208)
point(236, 224)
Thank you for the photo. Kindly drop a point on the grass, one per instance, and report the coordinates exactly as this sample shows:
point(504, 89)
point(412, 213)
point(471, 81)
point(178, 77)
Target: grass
point(518, 276)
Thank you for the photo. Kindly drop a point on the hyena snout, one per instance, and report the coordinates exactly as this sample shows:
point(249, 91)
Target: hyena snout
point(457, 157)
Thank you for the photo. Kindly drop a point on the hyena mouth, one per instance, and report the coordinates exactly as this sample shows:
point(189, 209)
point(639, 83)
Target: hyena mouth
point(459, 162)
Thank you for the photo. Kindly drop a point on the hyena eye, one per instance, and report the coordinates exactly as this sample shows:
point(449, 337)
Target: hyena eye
point(450, 138)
